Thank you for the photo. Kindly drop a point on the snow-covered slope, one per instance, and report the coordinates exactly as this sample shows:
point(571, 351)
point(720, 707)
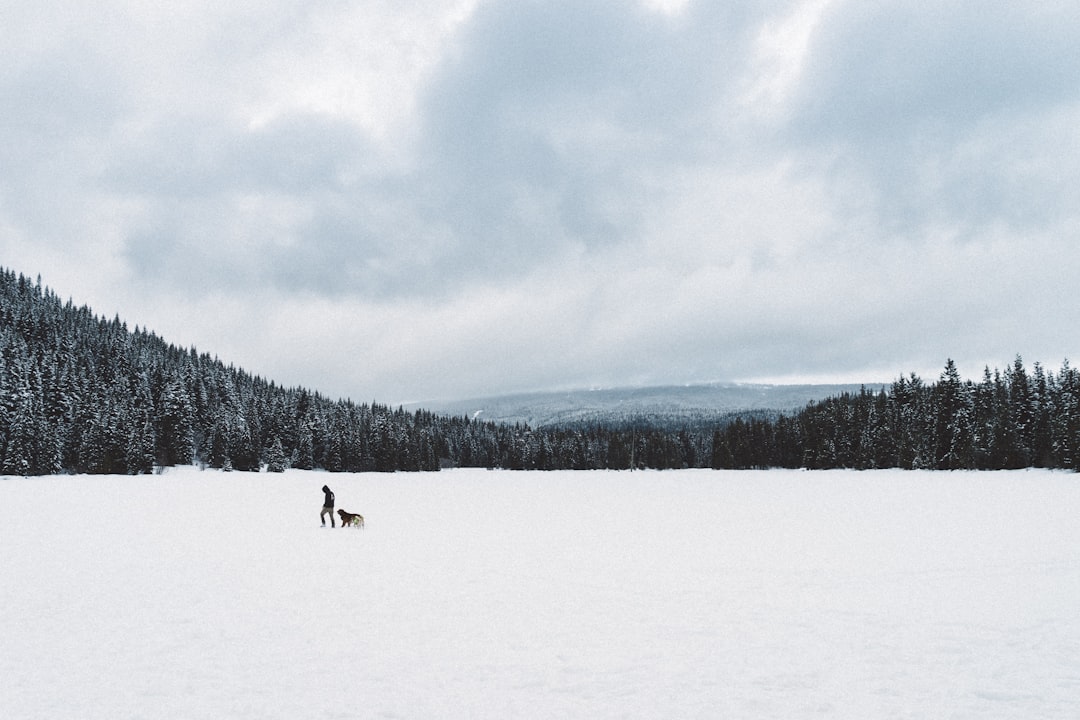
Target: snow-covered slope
point(476, 594)
point(653, 405)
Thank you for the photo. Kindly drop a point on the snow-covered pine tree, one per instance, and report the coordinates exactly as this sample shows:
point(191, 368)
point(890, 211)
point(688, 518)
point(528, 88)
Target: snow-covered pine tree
point(1065, 424)
point(1042, 405)
point(141, 447)
point(953, 432)
point(175, 420)
point(1021, 420)
point(304, 458)
point(275, 458)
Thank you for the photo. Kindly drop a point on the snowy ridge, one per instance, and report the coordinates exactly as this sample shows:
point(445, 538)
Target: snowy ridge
point(661, 405)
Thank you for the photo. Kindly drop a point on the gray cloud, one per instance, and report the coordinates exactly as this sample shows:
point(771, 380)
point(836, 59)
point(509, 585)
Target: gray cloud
point(476, 197)
point(944, 112)
point(543, 131)
point(890, 70)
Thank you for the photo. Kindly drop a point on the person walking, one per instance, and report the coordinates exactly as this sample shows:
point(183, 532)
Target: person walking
point(327, 507)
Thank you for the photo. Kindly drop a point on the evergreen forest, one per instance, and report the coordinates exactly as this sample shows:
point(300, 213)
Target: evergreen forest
point(83, 394)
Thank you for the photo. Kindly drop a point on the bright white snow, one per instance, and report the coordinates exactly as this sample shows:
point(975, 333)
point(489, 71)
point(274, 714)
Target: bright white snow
point(479, 594)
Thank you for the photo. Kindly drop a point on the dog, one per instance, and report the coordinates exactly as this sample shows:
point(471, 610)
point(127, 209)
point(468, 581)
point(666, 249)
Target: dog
point(354, 519)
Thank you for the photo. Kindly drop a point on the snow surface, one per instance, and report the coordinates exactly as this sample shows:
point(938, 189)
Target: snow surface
point(488, 594)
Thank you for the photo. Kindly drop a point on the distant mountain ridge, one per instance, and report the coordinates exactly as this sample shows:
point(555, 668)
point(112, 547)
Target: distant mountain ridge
point(652, 406)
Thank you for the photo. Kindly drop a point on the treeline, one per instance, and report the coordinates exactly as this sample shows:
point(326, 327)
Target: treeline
point(1008, 420)
point(83, 394)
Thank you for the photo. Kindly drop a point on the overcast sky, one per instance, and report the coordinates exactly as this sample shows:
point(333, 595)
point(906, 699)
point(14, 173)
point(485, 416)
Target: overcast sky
point(402, 200)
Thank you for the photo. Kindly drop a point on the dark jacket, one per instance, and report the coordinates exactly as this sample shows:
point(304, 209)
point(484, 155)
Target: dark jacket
point(329, 502)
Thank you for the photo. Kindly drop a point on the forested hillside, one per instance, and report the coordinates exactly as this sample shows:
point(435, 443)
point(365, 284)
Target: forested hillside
point(82, 394)
point(79, 393)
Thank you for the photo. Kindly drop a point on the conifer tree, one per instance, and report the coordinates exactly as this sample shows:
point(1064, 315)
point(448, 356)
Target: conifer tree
point(304, 459)
point(140, 448)
point(275, 459)
point(175, 432)
point(984, 422)
point(1066, 419)
point(1042, 408)
point(953, 425)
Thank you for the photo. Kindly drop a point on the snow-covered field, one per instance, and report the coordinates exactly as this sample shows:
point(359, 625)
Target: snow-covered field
point(477, 594)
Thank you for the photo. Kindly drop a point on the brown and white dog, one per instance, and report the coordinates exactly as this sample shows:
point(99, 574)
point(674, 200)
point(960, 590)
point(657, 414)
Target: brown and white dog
point(348, 518)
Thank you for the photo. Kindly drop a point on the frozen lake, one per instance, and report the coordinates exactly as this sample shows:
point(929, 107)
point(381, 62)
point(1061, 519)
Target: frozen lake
point(489, 594)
